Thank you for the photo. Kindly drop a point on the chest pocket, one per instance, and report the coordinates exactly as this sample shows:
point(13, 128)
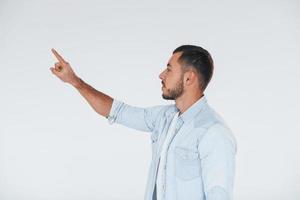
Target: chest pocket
point(187, 163)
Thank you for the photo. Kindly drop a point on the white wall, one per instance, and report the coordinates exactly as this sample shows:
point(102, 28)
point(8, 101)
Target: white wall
point(52, 144)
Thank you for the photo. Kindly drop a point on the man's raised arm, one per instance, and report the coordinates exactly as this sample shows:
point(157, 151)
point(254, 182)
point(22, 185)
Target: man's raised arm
point(99, 101)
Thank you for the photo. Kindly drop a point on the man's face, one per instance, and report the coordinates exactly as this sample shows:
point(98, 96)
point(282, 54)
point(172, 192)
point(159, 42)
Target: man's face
point(172, 79)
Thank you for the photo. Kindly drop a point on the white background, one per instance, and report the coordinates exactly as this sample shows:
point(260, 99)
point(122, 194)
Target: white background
point(54, 146)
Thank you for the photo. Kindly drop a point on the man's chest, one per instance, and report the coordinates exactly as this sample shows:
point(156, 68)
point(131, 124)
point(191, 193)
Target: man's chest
point(183, 136)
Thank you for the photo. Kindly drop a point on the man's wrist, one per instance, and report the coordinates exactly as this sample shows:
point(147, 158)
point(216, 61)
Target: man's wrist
point(77, 82)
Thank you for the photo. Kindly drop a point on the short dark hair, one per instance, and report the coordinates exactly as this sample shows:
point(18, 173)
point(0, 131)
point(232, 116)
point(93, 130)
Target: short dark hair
point(199, 59)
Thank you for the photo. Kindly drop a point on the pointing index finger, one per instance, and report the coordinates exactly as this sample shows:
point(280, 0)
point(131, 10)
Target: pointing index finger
point(58, 57)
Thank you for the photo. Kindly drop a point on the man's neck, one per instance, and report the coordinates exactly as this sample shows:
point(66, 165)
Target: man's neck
point(185, 101)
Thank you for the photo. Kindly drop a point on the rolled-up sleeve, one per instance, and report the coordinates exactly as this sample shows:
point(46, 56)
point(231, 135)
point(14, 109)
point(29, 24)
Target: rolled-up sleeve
point(217, 151)
point(142, 119)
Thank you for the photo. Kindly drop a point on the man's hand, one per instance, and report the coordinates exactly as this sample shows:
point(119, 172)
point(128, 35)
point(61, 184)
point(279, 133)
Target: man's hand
point(62, 69)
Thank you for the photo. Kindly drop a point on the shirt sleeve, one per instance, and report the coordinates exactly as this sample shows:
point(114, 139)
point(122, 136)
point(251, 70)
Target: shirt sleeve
point(143, 119)
point(217, 151)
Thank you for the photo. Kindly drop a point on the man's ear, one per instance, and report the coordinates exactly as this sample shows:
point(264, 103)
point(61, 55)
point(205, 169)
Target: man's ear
point(190, 77)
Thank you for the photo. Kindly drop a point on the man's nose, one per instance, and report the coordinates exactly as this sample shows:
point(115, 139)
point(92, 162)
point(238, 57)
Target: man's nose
point(161, 75)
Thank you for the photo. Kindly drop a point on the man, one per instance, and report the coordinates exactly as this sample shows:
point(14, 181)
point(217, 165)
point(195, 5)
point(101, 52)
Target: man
point(193, 150)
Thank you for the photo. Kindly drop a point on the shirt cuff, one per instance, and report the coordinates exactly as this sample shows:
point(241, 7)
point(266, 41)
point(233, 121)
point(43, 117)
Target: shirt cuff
point(115, 108)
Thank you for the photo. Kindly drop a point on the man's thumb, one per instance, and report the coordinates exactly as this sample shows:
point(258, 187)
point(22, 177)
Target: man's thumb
point(54, 71)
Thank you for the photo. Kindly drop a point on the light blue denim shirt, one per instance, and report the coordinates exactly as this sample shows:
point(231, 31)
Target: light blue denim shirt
point(201, 157)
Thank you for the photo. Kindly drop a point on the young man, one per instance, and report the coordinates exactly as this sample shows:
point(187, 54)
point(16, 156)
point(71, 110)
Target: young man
point(193, 150)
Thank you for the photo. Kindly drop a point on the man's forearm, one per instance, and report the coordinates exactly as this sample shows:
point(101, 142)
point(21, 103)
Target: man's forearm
point(99, 101)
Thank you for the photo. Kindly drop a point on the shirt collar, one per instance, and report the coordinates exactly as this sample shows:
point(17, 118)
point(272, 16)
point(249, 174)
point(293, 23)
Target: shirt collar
point(191, 112)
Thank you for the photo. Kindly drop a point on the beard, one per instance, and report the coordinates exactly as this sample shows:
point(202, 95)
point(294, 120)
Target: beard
point(174, 93)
